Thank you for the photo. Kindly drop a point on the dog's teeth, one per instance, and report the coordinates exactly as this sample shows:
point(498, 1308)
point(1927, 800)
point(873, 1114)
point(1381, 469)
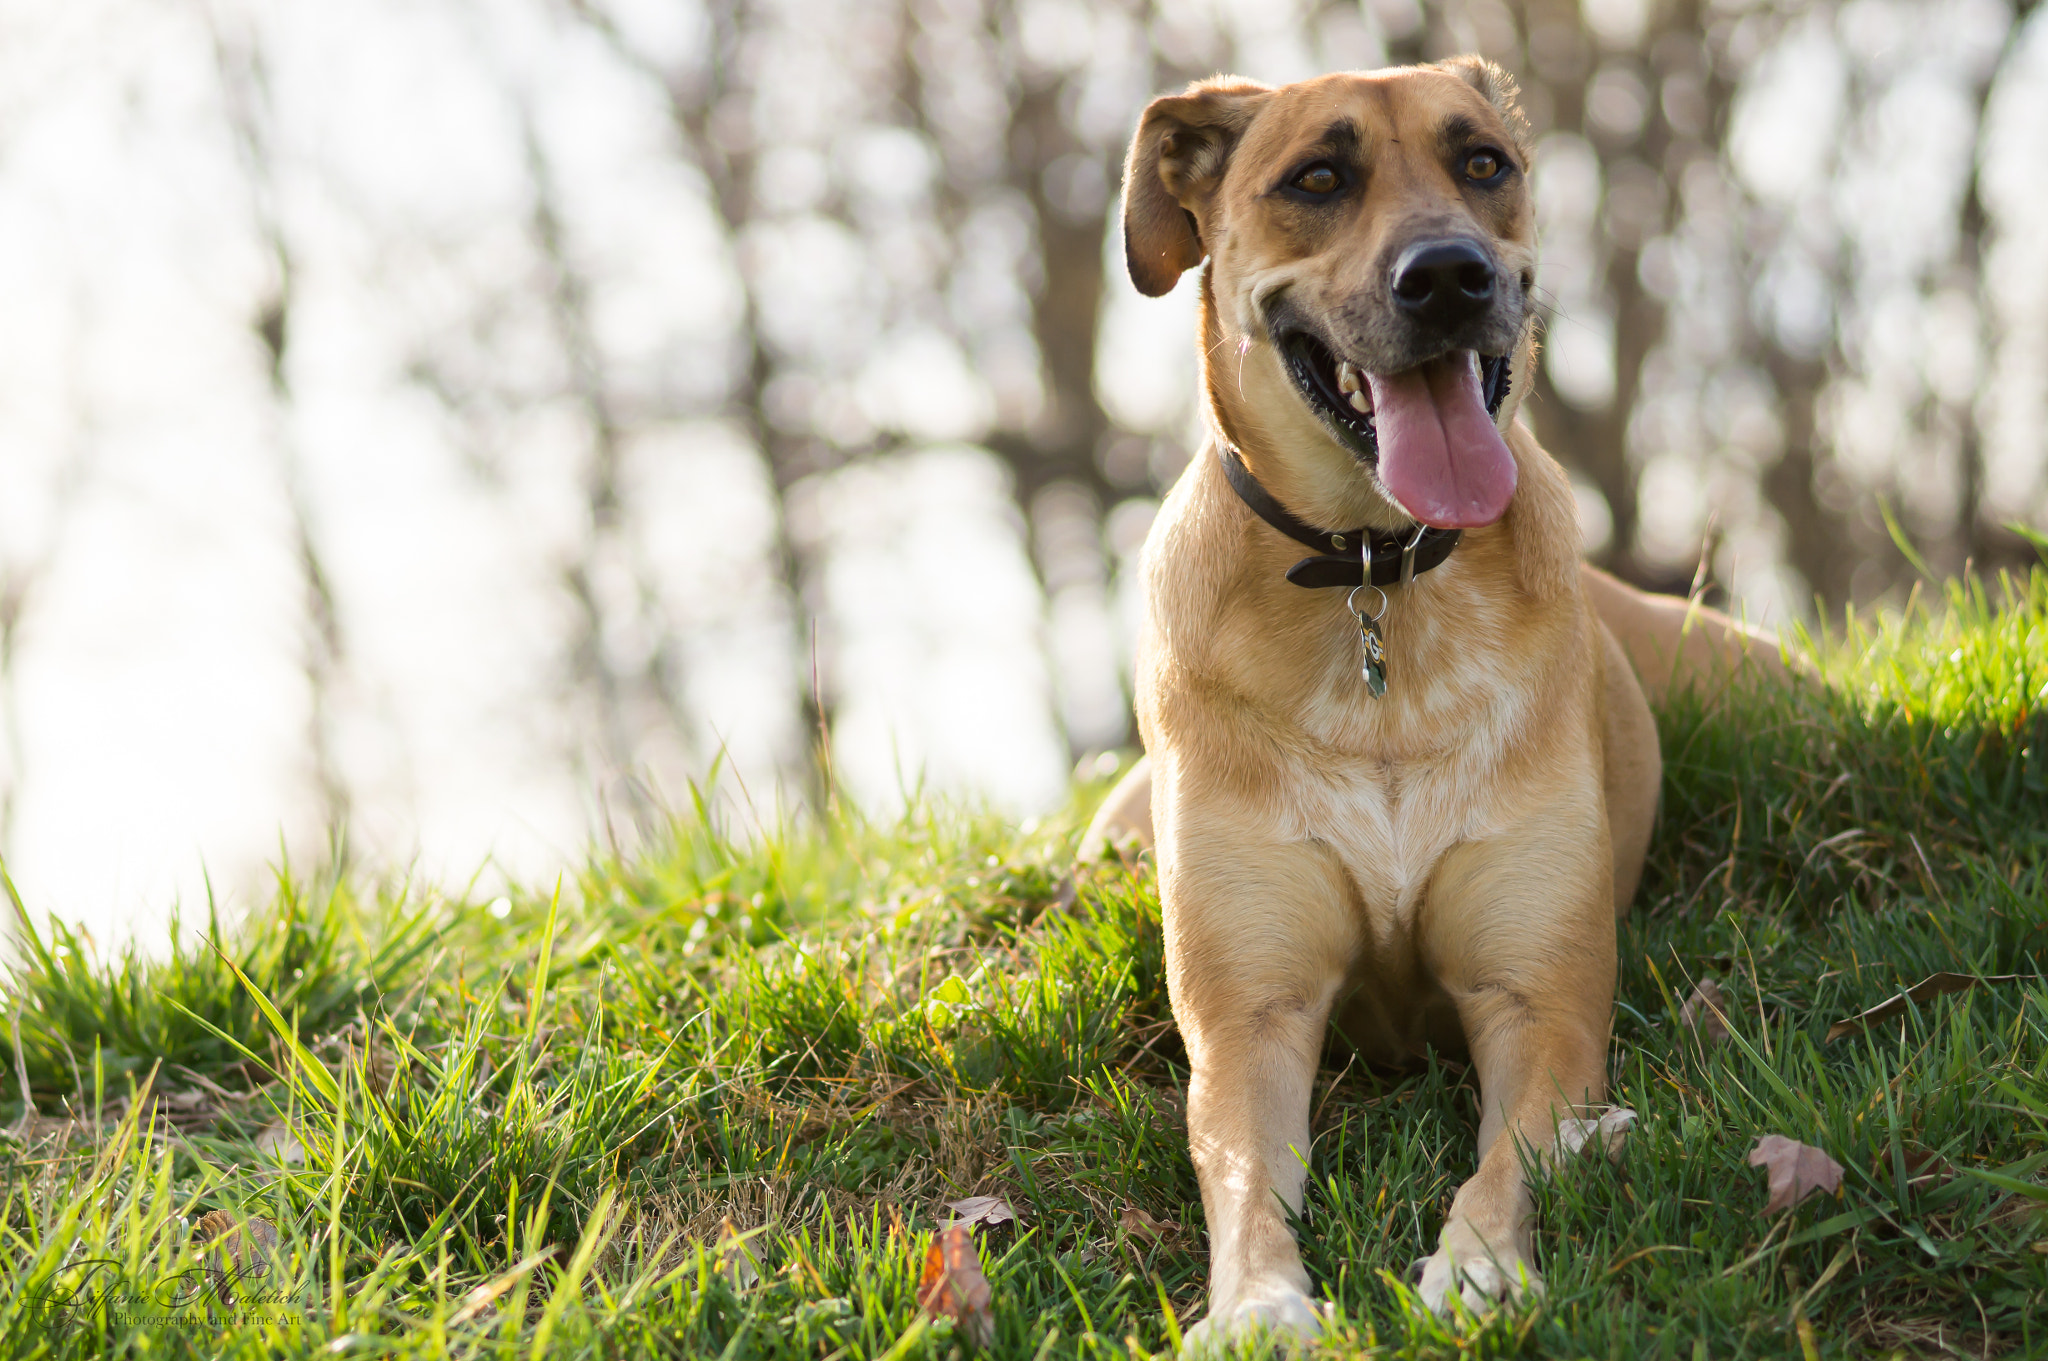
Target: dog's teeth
point(1358, 402)
point(1347, 379)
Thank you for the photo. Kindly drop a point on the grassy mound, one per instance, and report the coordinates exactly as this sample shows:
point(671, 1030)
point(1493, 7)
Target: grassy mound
point(711, 1100)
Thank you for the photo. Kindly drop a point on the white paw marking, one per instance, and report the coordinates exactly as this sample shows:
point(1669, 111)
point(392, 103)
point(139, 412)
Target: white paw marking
point(1280, 1311)
point(1608, 1133)
point(1477, 1283)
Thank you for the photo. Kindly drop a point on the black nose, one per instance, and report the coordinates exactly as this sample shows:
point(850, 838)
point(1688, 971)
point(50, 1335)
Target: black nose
point(1443, 282)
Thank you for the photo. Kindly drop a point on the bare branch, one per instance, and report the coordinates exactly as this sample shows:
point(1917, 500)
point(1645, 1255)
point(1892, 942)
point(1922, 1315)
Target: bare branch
point(243, 74)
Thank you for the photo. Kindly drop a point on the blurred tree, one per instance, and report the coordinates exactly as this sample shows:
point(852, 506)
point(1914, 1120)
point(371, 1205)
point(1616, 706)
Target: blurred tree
point(1027, 157)
point(626, 687)
point(243, 72)
point(661, 245)
point(1653, 92)
point(1022, 107)
point(1641, 144)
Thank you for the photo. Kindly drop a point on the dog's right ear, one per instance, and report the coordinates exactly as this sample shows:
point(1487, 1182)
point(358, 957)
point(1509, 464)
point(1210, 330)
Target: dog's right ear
point(1177, 160)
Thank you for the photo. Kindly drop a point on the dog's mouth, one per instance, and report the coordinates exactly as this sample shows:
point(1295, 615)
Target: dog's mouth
point(1427, 432)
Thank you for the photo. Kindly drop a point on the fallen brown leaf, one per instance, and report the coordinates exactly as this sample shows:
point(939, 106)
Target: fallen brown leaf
point(235, 1250)
point(182, 1110)
point(1796, 1170)
point(2018, 1210)
point(978, 1210)
point(953, 1287)
point(1934, 985)
point(280, 1143)
point(1922, 1165)
point(488, 1294)
point(1140, 1225)
point(1705, 1013)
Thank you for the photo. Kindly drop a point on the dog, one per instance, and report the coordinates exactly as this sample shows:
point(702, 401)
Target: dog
point(1407, 782)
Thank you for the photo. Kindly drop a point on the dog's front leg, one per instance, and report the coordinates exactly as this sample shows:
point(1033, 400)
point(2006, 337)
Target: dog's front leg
point(1520, 930)
point(1258, 938)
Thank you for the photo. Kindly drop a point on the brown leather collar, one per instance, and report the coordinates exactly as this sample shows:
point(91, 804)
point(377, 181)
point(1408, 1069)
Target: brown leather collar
point(1340, 557)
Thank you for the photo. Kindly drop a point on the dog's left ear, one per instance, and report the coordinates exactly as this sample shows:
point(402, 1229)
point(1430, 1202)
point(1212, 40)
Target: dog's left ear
point(1498, 88)
point(1177, 161)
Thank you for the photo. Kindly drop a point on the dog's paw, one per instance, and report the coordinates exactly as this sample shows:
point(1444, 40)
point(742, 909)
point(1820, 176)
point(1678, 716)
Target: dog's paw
point(1608, 1133)
point(1475, 1279)
point(1280, 1312)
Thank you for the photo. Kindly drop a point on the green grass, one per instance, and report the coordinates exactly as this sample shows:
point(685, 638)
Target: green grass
point(523, 1131)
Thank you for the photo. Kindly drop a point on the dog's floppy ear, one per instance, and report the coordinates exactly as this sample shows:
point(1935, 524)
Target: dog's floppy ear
point(1499, 89)
point(1176, 162)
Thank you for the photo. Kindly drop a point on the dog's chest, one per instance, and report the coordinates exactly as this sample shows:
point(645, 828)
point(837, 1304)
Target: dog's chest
point(1391, 809)
point(1390, 824)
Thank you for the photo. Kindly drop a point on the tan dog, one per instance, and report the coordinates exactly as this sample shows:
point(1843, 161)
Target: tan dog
point(1442, 865)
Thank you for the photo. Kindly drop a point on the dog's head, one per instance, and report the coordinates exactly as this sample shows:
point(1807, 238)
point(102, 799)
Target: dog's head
point(1372, 246)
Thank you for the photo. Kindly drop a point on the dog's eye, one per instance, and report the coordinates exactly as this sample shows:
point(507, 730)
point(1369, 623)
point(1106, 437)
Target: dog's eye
point(1482, 165)
point(1318, 179)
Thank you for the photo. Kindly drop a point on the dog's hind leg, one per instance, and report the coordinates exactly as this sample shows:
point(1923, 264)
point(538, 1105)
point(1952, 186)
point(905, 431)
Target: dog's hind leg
point(1674, 642)
point(1258, 940)
point(1520, 931)
point(1632, 768)
point(1123, 820)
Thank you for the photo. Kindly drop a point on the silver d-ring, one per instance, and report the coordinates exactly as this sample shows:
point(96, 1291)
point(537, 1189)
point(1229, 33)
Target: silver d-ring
point(1408, 554)
point(1350, 602)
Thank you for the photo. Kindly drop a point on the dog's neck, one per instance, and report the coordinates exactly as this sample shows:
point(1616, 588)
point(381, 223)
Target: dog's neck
point(1350, 557)
point(1441, 635)
point(1328, 489)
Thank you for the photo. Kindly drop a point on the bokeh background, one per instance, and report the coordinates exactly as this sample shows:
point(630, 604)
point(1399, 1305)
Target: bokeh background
point(466, 423)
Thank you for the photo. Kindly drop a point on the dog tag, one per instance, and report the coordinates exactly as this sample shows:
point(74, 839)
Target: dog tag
point(1372, 644)
point(1375, 668)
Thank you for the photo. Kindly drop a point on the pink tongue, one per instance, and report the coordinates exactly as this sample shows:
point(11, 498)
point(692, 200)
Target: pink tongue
point(1440, 455)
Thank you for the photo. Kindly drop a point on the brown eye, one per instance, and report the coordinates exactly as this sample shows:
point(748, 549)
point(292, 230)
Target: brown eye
point(1482, 165)
point(1317, 179)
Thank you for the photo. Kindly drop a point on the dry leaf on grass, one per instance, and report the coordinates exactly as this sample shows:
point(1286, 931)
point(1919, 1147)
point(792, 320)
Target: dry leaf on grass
point(222, 1229)
point(735, 1259)
point(279, 1142)
point(235, 1250)
point(488, 1294)
point(980, 1210)
point(953, 1286)
point(182, 1110)
point(1934, 985)
point(2017, 1209)
point(1607, 1132)
point(1922, 1166)
point(1143, 1226)
point(1796, 1170)
point(1705, 1013)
